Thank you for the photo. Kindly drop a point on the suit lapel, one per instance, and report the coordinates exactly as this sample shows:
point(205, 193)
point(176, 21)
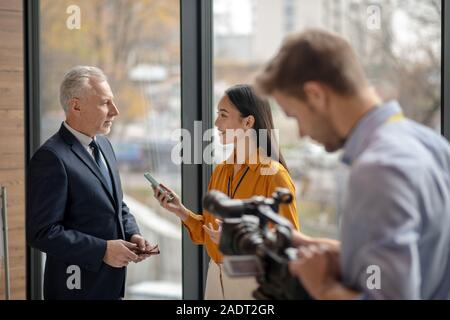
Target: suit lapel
point(86, 158)
point(110, 160)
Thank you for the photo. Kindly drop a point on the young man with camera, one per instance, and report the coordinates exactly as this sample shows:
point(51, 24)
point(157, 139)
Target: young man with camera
point(395, 235)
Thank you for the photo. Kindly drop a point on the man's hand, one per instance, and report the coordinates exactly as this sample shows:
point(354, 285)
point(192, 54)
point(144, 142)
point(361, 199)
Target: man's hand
point(214, 234)
point(119, 253)
point(318, 269)
point(143, 248)
point(301, 239)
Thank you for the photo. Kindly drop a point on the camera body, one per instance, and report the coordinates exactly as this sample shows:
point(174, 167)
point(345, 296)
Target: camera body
point(256, 241)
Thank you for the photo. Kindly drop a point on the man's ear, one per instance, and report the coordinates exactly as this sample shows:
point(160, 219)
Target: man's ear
point(317, 95)
point(74, 105)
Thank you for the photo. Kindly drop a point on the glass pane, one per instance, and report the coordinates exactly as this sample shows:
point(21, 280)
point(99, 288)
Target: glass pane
point(399, 43)
point(137, 44)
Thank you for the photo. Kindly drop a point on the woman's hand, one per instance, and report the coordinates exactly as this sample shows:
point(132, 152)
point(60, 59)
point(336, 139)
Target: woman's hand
point(214, 234)
point(174, 206)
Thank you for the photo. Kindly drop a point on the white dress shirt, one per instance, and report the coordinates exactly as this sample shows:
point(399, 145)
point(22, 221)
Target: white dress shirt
point(85, 141)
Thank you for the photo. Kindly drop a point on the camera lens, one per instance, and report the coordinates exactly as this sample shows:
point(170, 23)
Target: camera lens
point(247, 237)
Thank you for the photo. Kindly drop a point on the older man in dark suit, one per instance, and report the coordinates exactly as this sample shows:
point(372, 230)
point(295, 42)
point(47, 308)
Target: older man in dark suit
point(76, 214)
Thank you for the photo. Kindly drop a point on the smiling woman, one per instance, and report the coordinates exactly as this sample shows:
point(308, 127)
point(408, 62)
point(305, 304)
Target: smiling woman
point(255, 168)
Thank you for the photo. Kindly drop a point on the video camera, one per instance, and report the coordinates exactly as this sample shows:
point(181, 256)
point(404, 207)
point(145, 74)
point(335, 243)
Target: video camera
point(256, 241)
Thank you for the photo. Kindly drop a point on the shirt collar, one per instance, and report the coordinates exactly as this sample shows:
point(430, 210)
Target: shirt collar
point(251, 164)
point(359, 136)
point(81, 137)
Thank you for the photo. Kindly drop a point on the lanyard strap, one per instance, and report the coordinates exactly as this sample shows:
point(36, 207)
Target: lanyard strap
point(239, 183)
point(395, 118)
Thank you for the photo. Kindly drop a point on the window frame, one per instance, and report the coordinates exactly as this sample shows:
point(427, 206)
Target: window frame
point(32, 119)
point(445, 70)
point(196, 101)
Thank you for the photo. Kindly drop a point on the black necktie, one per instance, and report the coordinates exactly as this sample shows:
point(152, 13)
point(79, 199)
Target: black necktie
point(101, 164)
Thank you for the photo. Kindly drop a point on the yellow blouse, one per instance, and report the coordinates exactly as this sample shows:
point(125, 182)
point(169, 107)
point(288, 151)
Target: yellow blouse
point(253, 183)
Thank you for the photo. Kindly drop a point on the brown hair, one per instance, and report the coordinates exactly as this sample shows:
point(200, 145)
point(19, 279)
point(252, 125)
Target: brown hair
point(313, 55)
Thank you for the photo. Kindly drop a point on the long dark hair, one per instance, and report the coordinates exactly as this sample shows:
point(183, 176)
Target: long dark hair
point(248, 103)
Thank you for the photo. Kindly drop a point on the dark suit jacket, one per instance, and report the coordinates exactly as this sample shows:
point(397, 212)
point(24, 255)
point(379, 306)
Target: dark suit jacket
point(70, 216)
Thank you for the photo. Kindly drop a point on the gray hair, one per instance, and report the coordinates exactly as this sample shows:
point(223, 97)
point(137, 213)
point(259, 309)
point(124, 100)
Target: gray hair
point(76, 82)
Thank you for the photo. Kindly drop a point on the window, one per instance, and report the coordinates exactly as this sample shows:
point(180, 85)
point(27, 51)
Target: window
point(399, 43)
point(289, 15)
point(137, 44)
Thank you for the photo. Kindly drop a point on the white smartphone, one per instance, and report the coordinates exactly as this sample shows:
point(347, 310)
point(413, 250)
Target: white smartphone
point(156, 185)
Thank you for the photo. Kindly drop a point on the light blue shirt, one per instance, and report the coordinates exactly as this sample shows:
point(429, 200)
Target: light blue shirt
point(396, 213)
